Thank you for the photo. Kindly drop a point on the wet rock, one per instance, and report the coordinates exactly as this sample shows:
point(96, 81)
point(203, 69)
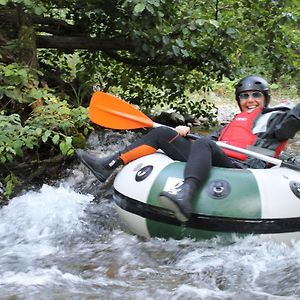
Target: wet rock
point(295, 160)
point(226, 113)
point(174, 119)
point(170, 118)
point(3, 199)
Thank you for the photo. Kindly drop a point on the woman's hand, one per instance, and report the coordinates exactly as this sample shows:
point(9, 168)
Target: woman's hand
point(182, 130)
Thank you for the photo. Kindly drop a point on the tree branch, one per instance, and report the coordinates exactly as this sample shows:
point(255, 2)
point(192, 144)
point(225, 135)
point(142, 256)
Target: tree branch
point(180, 61)
point(75, 42)
point(55, 26)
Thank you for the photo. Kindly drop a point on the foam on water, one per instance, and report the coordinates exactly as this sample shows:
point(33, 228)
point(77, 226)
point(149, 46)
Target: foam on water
point(59, 243)
point(33, 226)
point(41, 215)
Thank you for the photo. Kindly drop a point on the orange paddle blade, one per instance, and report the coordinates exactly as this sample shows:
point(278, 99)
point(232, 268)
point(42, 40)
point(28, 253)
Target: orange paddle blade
point(109, 111)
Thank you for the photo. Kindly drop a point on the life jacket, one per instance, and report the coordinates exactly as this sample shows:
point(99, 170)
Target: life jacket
point(239, 133)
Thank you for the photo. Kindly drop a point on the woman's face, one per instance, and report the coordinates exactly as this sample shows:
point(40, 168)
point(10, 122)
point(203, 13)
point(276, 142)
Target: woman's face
point(250, 100)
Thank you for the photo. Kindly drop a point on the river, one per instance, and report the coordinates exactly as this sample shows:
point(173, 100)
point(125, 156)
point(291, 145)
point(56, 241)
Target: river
point(65, 241)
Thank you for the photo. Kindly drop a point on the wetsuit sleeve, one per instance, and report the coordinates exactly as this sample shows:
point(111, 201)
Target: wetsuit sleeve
point(284, 126)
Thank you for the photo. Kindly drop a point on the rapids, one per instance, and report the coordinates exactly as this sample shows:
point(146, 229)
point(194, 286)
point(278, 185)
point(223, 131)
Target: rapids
point(65, 241)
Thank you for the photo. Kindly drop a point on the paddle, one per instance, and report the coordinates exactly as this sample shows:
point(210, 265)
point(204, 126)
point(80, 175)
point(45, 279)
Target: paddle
point(109, 111)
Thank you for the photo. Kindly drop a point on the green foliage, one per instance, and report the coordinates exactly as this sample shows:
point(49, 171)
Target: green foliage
point(271, 38)
point(201, 108)
point(10, 182)
point(216, 38)
point(52, 124)
point(12, 138)
point(57, 123)
point(51, 121)
point(153, 100)
point(175, 47)
point(20, 83)
point(34, 6)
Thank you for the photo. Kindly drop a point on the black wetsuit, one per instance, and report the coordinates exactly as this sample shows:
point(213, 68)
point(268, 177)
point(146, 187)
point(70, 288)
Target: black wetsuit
point(203, 153)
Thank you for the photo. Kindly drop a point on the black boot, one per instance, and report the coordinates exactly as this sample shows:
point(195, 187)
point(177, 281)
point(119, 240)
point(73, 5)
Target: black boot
point(179, 200)
point(102, 168)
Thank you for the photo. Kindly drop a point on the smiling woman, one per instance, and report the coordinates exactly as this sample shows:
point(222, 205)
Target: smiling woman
point(276, 126)
point(258, 87)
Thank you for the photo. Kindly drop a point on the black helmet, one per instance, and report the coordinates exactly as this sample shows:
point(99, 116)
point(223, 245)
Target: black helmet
point(255, 83)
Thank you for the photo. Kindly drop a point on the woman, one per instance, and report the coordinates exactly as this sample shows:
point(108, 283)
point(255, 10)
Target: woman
point(266, 129)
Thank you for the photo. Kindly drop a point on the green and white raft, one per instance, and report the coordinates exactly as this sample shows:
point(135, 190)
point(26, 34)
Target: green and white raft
point(265, 202)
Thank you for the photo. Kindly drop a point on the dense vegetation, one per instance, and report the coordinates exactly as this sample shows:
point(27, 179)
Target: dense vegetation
point(153, 53)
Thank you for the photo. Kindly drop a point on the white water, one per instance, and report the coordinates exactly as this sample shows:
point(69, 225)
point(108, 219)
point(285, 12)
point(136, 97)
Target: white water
point(66, 242)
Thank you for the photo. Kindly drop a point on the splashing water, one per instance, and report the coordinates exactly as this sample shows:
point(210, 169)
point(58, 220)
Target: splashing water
point(67, 242)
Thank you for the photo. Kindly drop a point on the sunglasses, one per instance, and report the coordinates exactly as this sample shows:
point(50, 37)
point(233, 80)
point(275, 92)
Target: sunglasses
point(255, 95)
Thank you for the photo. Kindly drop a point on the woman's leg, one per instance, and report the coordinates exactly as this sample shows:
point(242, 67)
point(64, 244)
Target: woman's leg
point(163, 138)
point(203, 155)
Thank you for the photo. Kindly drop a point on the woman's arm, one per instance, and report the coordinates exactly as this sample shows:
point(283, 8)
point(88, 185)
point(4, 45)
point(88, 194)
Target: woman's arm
point(284, 126)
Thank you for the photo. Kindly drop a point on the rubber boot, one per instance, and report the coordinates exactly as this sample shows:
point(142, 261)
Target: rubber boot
point(179, 200)
point(102, 168)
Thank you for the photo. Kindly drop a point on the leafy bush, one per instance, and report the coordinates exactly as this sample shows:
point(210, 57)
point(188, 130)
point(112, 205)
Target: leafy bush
point(53, 124)
point(35, 122)
point(153, 99)
point(200, 108)
point(20, 84)
point(14, 137)
point(42, 118)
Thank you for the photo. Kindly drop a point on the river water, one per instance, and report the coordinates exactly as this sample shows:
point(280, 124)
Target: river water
point(65, 241)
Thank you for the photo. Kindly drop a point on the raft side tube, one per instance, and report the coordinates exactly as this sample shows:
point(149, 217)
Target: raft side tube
point(232, 201)
point(275, 188)
point(136, 178)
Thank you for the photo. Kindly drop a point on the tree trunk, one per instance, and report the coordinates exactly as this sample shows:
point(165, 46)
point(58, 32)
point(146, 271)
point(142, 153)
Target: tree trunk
point(26, 40)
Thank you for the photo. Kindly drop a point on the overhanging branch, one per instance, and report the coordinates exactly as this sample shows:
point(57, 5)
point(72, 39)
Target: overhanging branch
point(75, 42)
point(138, 62)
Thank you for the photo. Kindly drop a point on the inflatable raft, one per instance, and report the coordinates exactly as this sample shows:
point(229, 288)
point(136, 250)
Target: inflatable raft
point(263, 202)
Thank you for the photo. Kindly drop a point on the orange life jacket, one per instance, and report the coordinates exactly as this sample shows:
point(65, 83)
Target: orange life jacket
point(239, 133)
